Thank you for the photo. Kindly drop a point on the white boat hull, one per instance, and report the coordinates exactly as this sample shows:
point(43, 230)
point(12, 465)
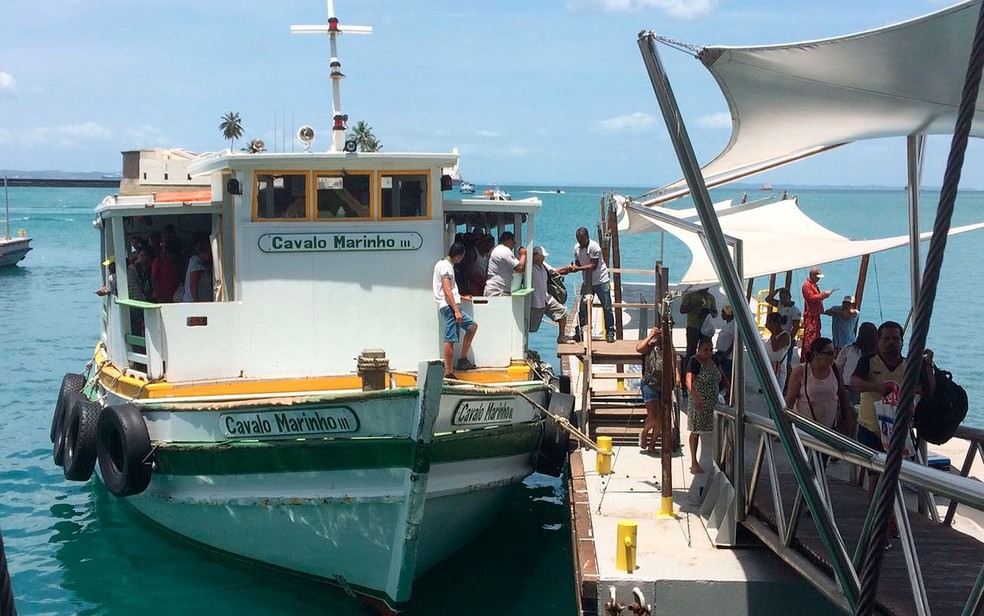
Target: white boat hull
point(341, 507)
point(13, 251)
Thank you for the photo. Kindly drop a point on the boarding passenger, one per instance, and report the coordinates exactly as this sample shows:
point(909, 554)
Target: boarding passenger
point(812, 308)
point(164, 275)
point(478, 271)
point(816, 388)
point(843, 321)
point(790, 318)
point(449, 305)
point(776, 346)
point(588, 259)
point(724, 353)
point(847, 360)
point(651, 387)
point(502, 264)
point(198, 278)
point(696, 305)
point(704, 380)
point(541, 302)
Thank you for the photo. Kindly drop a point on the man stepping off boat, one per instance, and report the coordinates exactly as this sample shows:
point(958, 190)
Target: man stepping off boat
point(449, 304)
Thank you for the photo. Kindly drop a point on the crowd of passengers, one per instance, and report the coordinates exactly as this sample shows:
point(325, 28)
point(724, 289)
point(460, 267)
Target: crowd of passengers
point(163, 269)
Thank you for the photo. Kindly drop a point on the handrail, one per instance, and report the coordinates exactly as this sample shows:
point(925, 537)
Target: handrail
point(964, 490)
point(136, 303)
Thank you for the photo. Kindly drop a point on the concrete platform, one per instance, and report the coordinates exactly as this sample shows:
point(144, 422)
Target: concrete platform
point(678, 568)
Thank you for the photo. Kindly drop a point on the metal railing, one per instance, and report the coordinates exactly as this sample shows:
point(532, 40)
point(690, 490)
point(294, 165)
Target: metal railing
point(817, 441)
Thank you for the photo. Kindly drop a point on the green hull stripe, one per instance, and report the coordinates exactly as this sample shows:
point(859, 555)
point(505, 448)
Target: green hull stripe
point(246, 457)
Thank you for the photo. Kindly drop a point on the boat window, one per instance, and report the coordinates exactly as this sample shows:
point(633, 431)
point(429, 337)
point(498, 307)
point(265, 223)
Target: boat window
point(343, 196)
point(404, 195)
point(281, 196)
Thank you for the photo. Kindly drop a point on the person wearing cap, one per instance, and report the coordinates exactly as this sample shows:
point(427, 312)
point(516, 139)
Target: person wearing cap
point(790, 317)
point(541, 302)
point(110, 286)
point(502, 264)
point(812, 308)
point(843, 323)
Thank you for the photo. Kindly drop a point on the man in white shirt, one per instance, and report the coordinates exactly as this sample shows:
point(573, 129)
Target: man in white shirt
point(541, 301)
point(588, 259)
point(502, 264)
point(449, 304)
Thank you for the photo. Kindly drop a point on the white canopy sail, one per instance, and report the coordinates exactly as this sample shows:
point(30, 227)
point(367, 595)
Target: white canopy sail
point(797, 99)
point(803, 242)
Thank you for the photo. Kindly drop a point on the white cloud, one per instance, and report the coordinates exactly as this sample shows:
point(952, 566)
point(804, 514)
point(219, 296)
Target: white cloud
point(487, 133)
point(67, 135)
point(637, 122)
point(684, 9)
point(8, 85)
point(149, 136)
point(715, 120)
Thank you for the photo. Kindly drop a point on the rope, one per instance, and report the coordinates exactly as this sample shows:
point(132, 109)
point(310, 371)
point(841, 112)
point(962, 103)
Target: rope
point(871, 564)
point(881, 315)
point(7, 607)
point(687, 48)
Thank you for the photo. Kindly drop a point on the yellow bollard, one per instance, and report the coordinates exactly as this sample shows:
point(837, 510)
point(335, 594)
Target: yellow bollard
point(604, 460)
point(625, 547)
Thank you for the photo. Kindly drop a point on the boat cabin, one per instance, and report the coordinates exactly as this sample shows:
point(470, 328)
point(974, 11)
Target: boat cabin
point(315, 257)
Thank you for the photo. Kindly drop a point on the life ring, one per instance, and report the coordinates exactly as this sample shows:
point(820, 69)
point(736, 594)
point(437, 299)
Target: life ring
point(123, 446)
point(80, 438)
point(71, 383)
point(554, 442)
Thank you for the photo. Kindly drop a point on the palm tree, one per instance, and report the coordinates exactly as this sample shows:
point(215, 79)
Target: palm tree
point(362, 134)
point(231, 127)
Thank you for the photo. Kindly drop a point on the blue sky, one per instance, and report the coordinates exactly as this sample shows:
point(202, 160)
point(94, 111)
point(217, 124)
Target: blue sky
point(534, 91)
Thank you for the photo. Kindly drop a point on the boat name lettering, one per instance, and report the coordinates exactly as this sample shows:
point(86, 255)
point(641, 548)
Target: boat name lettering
point(273, 424)
point(339, 242)
point(472, 412)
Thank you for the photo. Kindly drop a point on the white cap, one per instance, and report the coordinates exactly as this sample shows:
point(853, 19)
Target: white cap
point(848, 299)
point(540, 250)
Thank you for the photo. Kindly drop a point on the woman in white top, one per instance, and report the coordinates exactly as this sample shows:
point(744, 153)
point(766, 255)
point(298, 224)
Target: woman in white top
point(847, 360)
point(776, 345)
point(816, 387)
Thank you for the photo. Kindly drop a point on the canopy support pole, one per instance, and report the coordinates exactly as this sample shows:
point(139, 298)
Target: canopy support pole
point(717, 249)
point(915, 152)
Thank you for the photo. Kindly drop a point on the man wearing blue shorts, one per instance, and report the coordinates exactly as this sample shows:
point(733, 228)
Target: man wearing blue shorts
point(449, 303)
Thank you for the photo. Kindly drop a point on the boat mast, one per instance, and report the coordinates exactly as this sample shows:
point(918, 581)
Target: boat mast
point(333, 29)
point(6, 207)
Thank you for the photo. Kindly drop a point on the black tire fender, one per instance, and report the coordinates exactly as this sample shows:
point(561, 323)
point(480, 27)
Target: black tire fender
point(554, 442)
point(71, 384)
point(80, 438)
point(123, 446)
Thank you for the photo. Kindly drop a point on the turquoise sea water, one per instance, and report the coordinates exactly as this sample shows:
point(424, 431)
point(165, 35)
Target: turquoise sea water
point(74, 548)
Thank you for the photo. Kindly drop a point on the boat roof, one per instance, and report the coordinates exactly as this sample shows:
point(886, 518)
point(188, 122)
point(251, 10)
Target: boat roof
point(795, 100)
point(228, 159)
point(803, 242)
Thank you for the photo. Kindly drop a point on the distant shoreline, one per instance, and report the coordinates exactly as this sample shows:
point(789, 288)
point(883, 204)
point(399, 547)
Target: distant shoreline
point(61, 183)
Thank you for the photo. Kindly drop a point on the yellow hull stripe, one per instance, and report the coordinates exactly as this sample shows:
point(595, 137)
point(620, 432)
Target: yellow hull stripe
point(137, 387)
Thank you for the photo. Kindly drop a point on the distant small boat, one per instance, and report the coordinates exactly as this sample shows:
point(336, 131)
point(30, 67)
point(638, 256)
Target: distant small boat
point(497, 194)
point(466, 188)
point(12, 249)
point(765, 187)
point(558, 191)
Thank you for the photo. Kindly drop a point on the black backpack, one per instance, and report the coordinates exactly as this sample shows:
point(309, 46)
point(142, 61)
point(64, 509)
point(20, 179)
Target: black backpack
point(938, 416)
point(556, 287)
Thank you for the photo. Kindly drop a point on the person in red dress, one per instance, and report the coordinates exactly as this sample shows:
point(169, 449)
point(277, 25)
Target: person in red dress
point(812, 308)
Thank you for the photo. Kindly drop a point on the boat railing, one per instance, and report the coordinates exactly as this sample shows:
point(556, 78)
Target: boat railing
point(820, 442)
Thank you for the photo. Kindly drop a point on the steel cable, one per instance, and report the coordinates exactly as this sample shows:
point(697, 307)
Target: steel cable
point(885, 495)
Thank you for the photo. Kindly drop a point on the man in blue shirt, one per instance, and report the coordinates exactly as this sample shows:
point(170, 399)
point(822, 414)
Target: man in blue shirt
point(843, 321)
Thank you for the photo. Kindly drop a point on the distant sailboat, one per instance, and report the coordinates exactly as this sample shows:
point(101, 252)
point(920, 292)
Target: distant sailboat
point(12, 249)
